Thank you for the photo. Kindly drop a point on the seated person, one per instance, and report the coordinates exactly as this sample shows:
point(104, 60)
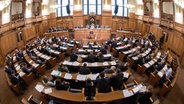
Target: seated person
point(103, 84)
point(8, 70)
point(61, 85)
point(16, 80)
point(63, 68)
point(103, 50)
point(100, 57)
point(91, 57)
point(48, 82)
point(84, 69)
point(89, 91)
point(19, 55)
point(73, 57)
point(110, 70)
point(167, 75)
point(123, 67)
point(9, 60)
point(27, 70)
point(117, 80)
point(144, 96)
point(160, 65)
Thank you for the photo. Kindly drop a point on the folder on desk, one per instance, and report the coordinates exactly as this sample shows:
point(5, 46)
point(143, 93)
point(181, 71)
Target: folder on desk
point(56, 73)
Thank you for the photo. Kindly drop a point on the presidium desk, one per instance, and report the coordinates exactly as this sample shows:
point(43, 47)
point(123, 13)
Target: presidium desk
point(99, 33)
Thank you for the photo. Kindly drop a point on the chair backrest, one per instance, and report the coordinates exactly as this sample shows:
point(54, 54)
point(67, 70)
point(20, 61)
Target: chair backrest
point(32, 100)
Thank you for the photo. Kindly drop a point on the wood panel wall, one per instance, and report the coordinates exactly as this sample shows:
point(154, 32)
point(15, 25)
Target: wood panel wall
point(29, 32)
point(176, 43)
point(8, 42)
point(156, 30)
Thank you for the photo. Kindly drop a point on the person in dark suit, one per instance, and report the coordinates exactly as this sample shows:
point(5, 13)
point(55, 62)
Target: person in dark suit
point(89, 91)
point(73, 57)
point(123, 67)
point(16, 80)
point(102, 83)
point(91, 57)
point(117, 80)
point(61, 85)
point(63, 68)
point(144, 96)
point(110, 70)
point(160, 65)
point(8, 70)
point(84, 69)
point(140, 60)
point(100, 57)
point(103, 50)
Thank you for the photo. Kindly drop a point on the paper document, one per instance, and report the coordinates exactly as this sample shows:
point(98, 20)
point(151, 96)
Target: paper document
point(39, 87)
point(81, 77)
point(127, 93)
point(48, 90)
point(56, 73)
point(68, 76)
point(125, 74)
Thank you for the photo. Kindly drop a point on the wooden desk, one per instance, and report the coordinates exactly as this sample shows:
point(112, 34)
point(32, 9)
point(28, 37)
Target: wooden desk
point(121, 33)
point(111, 97)
point(58, 33)
point(102, 34)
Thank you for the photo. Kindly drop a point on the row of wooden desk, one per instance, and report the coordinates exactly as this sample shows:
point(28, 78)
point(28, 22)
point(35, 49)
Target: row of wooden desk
point(101, 34)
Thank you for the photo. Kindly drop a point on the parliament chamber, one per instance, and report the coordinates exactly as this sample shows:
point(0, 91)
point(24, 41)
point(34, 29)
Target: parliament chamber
point(91, 51)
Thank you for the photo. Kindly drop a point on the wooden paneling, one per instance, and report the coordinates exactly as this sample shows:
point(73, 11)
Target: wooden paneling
point(29, 32)
point(156, 30)
point(8, 42)
point(176, 42)
point(52, 23)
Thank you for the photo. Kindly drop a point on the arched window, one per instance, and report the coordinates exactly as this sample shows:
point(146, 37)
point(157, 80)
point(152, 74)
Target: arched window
point(92, 6)
point(122, 9)
point(62, 10)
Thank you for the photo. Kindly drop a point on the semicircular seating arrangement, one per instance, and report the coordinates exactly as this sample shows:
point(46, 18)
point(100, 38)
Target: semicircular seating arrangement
point(93, 72)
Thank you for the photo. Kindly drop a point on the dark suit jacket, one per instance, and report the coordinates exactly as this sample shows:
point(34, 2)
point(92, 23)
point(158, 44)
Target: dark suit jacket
point(84, 71)
point(91, 58)
point(144, 98)
point(117, 81)
point(103, 85)
point(73, 57)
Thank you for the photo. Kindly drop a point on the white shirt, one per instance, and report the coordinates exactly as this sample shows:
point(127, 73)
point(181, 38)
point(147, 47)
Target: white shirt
point(168, 73)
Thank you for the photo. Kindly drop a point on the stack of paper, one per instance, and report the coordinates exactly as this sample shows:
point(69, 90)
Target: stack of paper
point(94, 64)
point(48, 90)
point(94, 76)
point(105, 63)
point(56, 73)
point(39, 87)
point(81, 77)
point(75, 63)
point(21, 74)
point(127, 93)
point(68, 76)
point(125, 74)
point(113, 63)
